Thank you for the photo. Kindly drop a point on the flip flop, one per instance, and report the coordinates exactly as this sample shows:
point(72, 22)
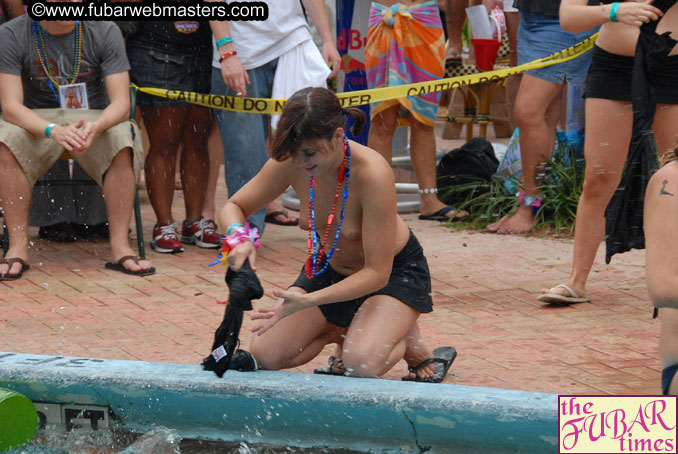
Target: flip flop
point(441, 215)
point(272, 218)
point(443, 359)
point(556, 298)
point(11, 261)
point(119, 267)
point(331, 370)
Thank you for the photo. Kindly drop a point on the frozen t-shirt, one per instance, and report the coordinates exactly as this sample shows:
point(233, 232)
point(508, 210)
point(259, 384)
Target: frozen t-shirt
point(103, 54)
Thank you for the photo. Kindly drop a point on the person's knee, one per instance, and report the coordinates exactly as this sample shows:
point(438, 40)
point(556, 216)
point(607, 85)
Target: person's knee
point(600, 184)
point(361, 361)
point(528, 113)
point(7, 158)
point(267, 356)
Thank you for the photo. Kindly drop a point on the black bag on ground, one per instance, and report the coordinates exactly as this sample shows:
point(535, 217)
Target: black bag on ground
point(475, 161)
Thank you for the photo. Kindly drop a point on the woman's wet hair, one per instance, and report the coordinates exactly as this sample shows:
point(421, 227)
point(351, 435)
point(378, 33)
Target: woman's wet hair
point(310, 114)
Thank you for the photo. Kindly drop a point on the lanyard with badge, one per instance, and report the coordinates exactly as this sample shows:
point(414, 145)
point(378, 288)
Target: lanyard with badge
point(72, 95)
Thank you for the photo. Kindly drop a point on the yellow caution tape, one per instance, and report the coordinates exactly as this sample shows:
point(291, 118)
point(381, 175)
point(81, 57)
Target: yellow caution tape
point(363, 97)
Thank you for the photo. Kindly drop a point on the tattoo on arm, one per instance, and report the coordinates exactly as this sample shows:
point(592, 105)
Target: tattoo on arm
point(662, 191)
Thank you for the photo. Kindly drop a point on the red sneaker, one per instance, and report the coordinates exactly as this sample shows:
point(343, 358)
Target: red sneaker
point(166, 239)
point(202, 233)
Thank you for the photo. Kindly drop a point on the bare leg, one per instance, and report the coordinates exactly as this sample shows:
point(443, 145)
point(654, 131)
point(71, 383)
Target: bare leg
point(536, 110)
point(195, 160)
point(295, 340)
point(668, 342)
point(216, 152)
point(15, 194)
point(454, 16)
point(380, 137)
point(165, 126)
point(119, 187)
point(608, 133)
point(423, 153)
point(377, 338)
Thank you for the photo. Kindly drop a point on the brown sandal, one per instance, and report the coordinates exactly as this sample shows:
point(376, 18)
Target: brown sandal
point(11, 261)
point(120, 267)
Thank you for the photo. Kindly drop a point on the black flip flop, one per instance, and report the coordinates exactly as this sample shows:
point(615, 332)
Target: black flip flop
point(272, 218)
point(11, 261)
point(119, 267)
point(441, 215)
point(443, 359)
point(331, 370)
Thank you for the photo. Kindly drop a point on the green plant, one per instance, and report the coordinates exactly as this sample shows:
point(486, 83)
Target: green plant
point(487, 202)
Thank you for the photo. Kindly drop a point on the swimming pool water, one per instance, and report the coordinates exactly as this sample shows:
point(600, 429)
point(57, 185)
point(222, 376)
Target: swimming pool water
point(158, 441)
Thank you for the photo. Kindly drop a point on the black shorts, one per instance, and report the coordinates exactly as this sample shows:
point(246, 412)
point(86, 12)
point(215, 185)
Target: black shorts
point(410, 282)
point(168, 70)
point(610, 77)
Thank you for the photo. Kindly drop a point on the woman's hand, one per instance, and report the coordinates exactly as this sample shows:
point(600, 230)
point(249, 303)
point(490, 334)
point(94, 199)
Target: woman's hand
point(290, 303)
point(632, 13)
point(240, 253)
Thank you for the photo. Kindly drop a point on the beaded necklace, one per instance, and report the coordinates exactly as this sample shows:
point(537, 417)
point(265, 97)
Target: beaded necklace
point(41, 48)
point(316, 249)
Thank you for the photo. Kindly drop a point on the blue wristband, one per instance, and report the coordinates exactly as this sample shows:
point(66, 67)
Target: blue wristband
point(48, 130)
point(224, 40)
point(613, 12)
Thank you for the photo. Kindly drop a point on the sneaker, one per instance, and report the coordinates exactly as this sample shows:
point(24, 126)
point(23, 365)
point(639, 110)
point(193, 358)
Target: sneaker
point(166, 239)
point(202, 233)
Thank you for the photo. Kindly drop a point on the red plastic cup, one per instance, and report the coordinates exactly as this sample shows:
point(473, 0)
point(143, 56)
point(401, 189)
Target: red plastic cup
point(486, 53)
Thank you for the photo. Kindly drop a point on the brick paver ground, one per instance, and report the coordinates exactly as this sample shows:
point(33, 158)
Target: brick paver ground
point(485, 291)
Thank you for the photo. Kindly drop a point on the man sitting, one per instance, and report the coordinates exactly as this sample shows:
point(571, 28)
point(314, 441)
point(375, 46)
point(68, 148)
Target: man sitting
point(39, 62)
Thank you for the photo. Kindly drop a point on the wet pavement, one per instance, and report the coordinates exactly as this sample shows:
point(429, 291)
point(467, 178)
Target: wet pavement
point(485, 289)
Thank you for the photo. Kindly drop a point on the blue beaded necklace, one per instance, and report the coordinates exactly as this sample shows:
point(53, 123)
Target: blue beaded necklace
point(315, 246)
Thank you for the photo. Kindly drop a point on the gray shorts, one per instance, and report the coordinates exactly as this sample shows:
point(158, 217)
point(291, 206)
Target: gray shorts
point(36, 155)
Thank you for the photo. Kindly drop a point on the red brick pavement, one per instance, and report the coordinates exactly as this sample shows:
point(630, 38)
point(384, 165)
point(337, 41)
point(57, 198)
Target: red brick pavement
point(484, 289)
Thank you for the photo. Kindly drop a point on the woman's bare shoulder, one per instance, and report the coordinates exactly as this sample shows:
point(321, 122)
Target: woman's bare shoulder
point(370, 163)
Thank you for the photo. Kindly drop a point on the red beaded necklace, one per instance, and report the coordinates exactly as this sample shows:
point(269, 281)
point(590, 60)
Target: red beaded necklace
point(315, 250)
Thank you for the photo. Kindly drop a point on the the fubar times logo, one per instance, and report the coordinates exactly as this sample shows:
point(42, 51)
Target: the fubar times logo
point(617, 424)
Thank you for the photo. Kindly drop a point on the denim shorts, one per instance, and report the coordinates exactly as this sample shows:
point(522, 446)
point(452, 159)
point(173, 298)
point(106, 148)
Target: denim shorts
point(168, 70)
point(410, 283)
point(540, 36)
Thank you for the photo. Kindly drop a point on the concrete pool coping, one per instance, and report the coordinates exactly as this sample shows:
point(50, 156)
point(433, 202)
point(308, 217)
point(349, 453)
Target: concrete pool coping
point(292, 409)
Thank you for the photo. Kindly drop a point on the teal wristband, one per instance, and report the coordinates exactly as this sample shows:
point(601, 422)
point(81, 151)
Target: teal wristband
point(48, 130)
point(613, 12)
point(224, 40)
point(233, 226)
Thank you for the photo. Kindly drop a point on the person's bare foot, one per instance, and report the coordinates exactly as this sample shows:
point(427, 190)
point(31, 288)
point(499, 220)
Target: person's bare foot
point(493, 227)
point(567, 293)
point(519, 222)
point(416, 351)
point(16, 267)
point(130, 264)
point(276, 214)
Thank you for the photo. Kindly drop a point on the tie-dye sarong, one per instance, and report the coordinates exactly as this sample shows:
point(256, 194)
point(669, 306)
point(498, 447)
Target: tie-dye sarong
point(406, 45)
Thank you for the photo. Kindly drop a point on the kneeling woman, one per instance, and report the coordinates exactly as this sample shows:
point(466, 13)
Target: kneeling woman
point(661, 243)
point(366, 280)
